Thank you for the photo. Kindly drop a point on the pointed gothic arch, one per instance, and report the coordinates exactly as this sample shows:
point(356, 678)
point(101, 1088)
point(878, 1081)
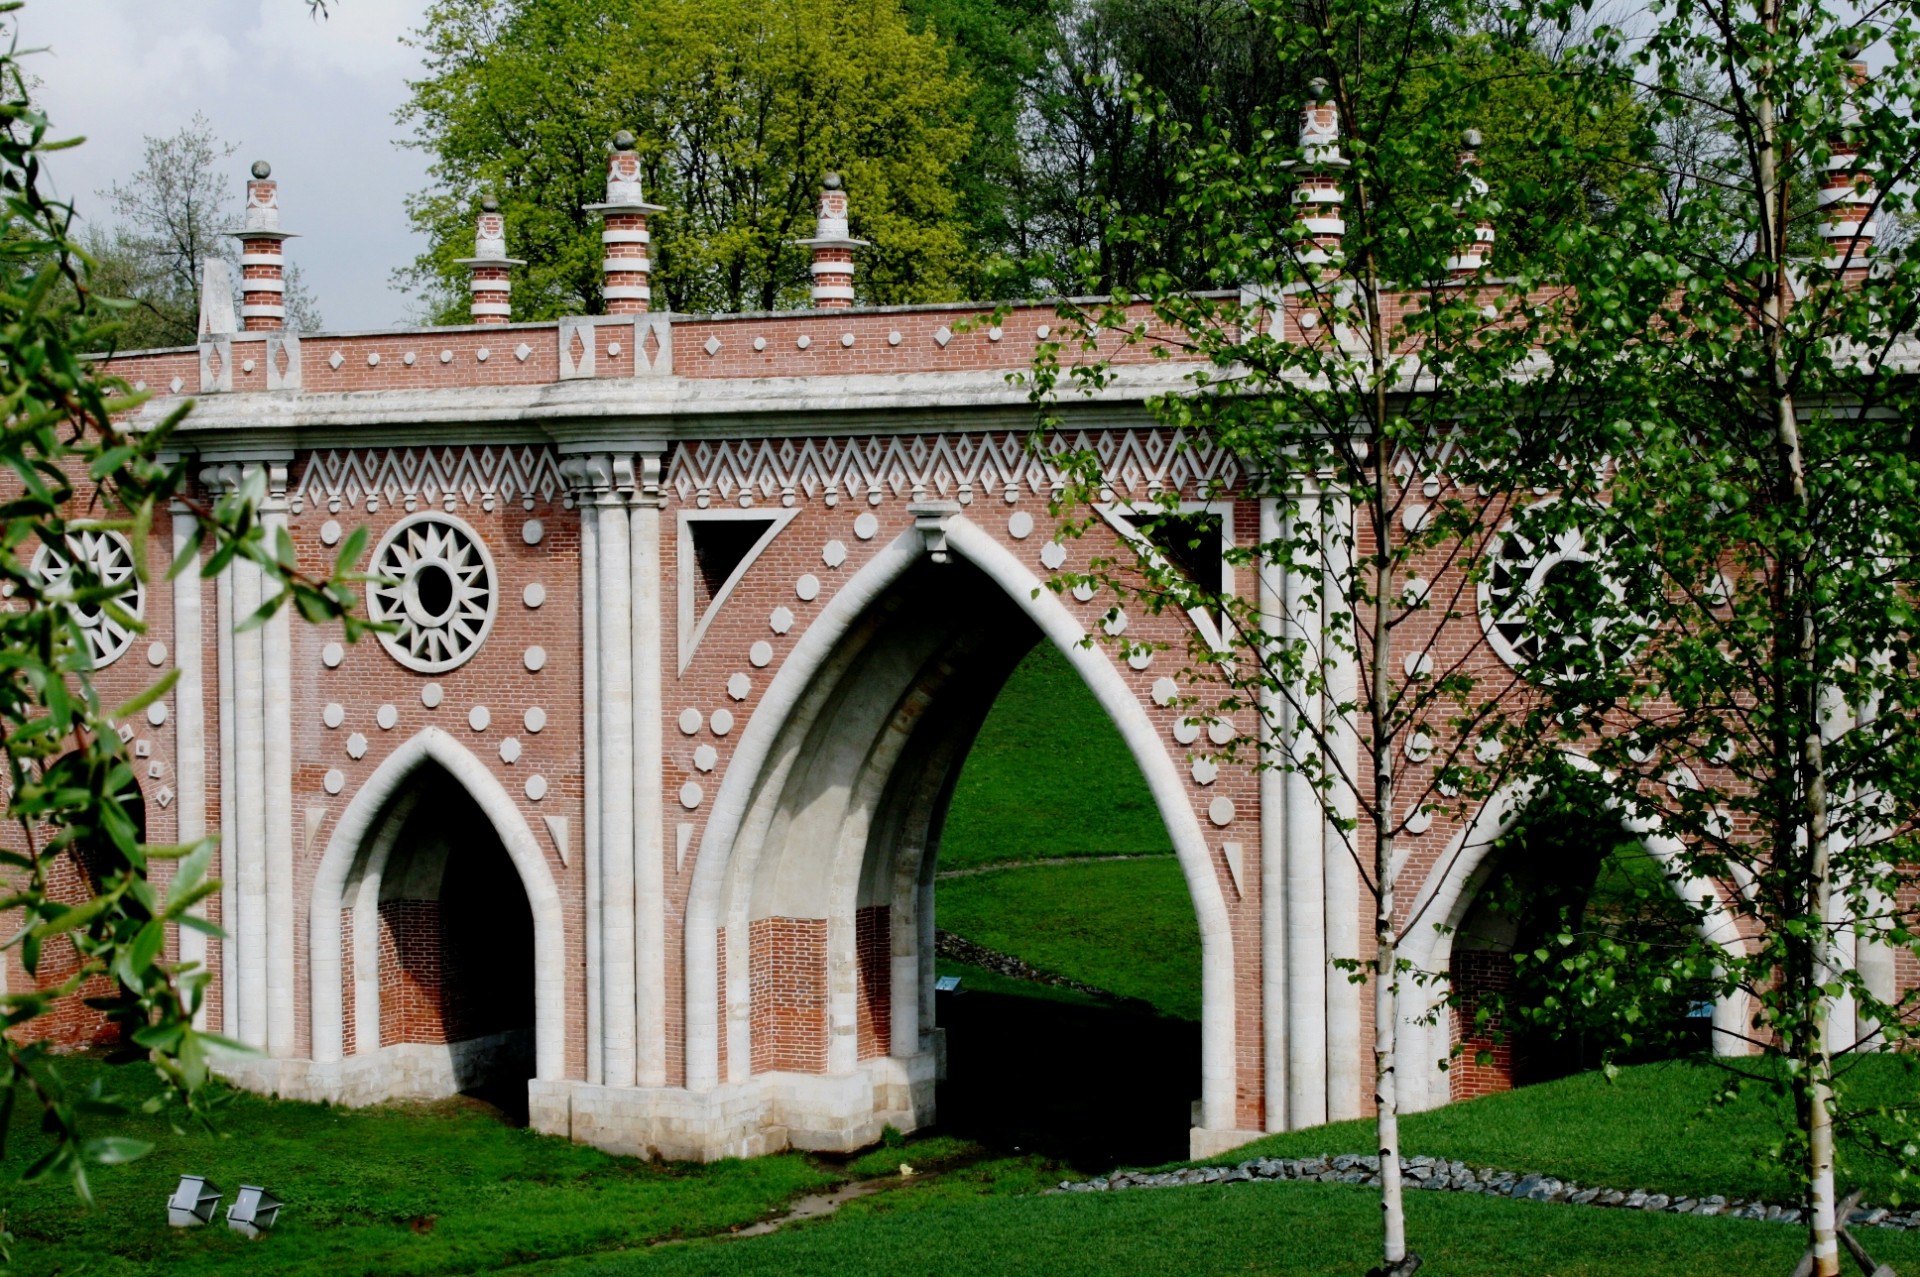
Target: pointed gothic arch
point(747, 867)
point(363, 839)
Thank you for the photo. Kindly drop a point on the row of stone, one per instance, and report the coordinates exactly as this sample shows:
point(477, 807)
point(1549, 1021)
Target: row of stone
point(1440, 1175)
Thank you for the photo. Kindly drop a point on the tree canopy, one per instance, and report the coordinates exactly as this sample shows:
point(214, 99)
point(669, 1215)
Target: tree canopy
point(740, 108)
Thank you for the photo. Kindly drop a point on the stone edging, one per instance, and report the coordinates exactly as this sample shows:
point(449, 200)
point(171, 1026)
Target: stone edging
point(1436, 1174)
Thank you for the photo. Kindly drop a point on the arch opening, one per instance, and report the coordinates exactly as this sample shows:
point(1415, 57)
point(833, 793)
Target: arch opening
point(820, 864)
point(1568, 882)
point(436, 939)
point(453, 939)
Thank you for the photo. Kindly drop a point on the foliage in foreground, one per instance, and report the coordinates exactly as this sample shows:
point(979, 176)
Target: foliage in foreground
point(71, 471)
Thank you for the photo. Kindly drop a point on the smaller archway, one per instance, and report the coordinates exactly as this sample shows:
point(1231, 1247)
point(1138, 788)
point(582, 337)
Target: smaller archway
point(434, 886)
point(1443, 908)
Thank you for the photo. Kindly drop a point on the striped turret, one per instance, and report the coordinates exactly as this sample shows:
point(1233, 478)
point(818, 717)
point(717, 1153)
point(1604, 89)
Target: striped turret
point(1476, 246)
point(624, 267)
point(832, 247)
point(1847, 194)
point(263, 263)
point(492, 289)
point(1318, 195)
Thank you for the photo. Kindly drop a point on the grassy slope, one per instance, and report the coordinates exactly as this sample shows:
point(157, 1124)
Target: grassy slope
point(1656, 1127)
point(414, 1190)
point(1048, 776)
point(1280, 1230)
point(1126, 926)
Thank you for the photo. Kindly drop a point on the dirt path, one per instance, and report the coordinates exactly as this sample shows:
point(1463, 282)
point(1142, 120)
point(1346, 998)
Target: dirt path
point(1053, 860)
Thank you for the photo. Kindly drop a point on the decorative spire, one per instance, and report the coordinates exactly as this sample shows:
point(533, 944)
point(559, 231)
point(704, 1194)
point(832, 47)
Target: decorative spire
point(1847, 192)
point(832, 249)
point(492, 289)
point(263, 264)
point(1474, 250)
point(624, 267)
point(1318, 195)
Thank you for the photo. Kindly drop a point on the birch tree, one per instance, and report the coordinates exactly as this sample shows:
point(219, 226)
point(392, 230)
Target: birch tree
point(1746, 361)
point(1363, 364)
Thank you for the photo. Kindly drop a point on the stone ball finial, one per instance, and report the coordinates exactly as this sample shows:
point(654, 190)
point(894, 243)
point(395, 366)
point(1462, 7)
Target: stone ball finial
point(489, 205)
point(623, 141)
point(262, 170)
point(1318, 88)
point(1472, 139)
point(831, 181)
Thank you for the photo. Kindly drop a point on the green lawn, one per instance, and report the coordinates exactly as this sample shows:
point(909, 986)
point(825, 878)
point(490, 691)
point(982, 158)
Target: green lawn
point(1308, 1230)
point(448, 1189)
point(401, 1190)
point(1126, 926)
point(1048, 776)
point(1656, 1127)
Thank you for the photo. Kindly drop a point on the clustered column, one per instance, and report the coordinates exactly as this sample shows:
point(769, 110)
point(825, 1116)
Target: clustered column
point(256, 767)
point(620, 501)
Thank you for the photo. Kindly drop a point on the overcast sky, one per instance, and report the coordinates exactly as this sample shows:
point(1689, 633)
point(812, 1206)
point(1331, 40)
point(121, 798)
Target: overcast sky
point(316, 98)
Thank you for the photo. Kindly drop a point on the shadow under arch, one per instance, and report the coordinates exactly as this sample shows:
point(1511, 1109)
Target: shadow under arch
point(364, 837)
point(1446, 898)
point(833, 801)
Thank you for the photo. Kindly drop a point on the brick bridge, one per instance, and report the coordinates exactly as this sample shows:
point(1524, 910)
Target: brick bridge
point(696, 618)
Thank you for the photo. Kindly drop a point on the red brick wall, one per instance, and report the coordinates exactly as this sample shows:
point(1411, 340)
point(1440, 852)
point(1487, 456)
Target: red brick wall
point(873, 943)
point(788, 979)
point(411, 979)
point(1475, 972)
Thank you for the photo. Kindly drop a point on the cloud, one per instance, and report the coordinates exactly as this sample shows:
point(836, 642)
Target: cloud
point(314, 97)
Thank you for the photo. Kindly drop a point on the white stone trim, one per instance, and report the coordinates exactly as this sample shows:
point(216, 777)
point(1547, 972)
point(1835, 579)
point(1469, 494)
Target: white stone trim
point(1348, 1070)
point(619, 1042)
point(627, 292)
point(262, 311)
point(501, 309)
point(249, 931)
point(694, 628)
point(275, 258)
point(649, 784)
point(632, 265)
point(1304, 823)
point(626, 237)
point(343, 848)
point(833, 292)
point(477, 476)
point(1141, 463)
point(258, 285)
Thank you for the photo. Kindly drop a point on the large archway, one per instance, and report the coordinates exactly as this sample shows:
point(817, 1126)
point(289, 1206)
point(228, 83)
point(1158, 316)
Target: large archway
point(810, 946)
point(436, 938)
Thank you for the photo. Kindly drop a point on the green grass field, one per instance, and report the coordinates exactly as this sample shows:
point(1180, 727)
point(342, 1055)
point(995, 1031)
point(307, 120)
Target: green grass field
point(1048, 776)
point(449, 1189)
point(1126, 926)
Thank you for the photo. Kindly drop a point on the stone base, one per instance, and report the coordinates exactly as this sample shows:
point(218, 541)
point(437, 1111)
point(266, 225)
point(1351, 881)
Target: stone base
point(1203, 1143)
point(767, 1113)
point(406, 1071)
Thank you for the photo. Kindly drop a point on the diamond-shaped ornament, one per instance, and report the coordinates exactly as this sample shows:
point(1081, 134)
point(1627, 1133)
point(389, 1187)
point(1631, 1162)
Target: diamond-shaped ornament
point(712, 346)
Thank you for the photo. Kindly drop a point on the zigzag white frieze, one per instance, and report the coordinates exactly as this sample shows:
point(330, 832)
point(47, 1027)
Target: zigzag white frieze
point(438, 476)
point(1143, 463)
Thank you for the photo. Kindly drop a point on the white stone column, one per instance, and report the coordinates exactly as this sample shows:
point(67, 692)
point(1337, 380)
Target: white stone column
point(1273, 842)
point(587, 502)
point(276, 648)
point(1346, 1069)
point(617, 899)
point(230, 995)
point(649, 770)
point(1305, 858)
point(190, 723)
point(249, 801)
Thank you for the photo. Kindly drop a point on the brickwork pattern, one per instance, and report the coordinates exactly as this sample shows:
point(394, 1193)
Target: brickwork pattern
point(873, 948)
point(1477, 972)
point(788, 978)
